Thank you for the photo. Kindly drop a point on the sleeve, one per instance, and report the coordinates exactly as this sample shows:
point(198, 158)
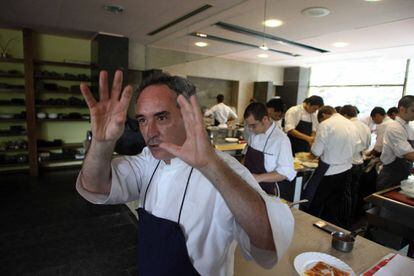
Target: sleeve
point(127, 174)
point(380, 137)
point(232, 113)
point(209, 112)
point(280, 218)
point(291, 119)
point(315, 122)
point(397, 140)
point(319, 145)
point(285, 160)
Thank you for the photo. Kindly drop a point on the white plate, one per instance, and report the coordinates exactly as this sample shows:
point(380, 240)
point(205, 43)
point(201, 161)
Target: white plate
point(306, 260)
point(410, 195)
point(231, 140)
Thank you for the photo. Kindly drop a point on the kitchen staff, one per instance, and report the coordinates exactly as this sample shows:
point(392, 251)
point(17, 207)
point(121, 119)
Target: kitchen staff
point(194, 202)
point(398, 151)
point(268, 156)
point(301, 122)
point(335, 144)
point(221, 112)
point(276, 109)
point(382, 121)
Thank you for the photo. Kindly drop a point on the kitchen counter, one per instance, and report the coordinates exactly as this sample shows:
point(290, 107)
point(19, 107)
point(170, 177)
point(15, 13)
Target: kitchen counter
point(230, 146)
point(309, 238)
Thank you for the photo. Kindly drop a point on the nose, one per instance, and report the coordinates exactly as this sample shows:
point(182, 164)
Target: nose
point(152, 129)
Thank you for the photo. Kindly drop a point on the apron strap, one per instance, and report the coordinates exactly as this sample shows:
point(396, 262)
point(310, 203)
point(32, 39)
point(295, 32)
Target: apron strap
point(185, 193)
point(149, 183)
point(268, 137)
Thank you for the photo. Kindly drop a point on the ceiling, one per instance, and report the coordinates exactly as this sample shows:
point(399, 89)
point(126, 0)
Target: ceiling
point(372, 29)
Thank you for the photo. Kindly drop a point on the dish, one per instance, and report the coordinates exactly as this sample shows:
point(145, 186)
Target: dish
point(408, 194)
point(407, 185)
point(231, 140)
point(312, 165)
point(307, 260)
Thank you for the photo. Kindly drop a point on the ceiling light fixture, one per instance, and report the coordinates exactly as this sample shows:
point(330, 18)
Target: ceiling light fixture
point(263, 55)
point(115, 9)
point(264, 47)
point(201, 44)
point(273, 23)
point(340, 44)
point(372, 0)
point(201, 35)
point(315, 12)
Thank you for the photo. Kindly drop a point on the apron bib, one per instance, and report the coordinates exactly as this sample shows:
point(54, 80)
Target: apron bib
point(299, 145)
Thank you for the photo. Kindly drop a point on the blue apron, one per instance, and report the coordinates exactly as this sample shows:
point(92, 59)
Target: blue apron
point(161, 243)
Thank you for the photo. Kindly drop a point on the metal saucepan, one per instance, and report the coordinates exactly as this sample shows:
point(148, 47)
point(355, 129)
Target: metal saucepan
point(344, 242)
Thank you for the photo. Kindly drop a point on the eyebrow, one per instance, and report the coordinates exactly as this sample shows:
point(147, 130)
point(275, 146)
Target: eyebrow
point(161, 113)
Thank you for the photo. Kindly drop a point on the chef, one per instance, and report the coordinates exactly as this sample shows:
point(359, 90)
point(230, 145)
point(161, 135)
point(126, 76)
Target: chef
point(398, 151)
point(380, 118)
point(301, 122)
point(268, 156)
point(194, 202)
point(335, 143)
point(276, 109)
point(221, 112)
point(364, 135)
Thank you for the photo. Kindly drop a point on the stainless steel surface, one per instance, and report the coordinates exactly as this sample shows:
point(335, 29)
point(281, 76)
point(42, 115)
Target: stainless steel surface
point(342, 242)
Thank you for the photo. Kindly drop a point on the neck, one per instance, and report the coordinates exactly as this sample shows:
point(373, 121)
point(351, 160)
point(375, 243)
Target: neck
point(402, 118)
point(268, 124)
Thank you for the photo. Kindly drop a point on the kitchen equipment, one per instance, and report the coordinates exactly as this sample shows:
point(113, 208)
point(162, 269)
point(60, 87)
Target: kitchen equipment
point(307, 259)
point(344, 242)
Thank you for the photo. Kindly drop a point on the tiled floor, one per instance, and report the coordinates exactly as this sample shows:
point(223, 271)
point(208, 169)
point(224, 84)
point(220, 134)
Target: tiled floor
point(48, 229)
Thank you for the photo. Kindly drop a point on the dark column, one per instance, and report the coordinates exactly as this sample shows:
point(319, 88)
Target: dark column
point(263, 91)
point(295, 85)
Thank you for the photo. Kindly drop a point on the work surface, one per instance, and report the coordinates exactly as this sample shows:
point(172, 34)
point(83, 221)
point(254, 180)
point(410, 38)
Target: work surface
point(309, 238)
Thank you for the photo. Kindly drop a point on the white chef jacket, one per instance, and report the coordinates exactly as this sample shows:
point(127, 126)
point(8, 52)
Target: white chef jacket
point(369, 122)
point(396, 143)
point(209, 227)
point(221, 113)
point(279, 123)
point(278, 152)
point(335, 142)
point(364, 135)
point(380, 133)
point(298, 113)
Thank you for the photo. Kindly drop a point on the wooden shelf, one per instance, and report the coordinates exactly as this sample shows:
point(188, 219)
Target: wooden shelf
point(14, 151)
point(60, 163)
point(12, 134)
point(60, 106)
point(61, 78)
point(64, 146)
point(11, 104)
point(14, 167)
point(64, 64)
point(2, 75)
point(62, 120)
point(10, 90)
point(12, 60)
point(12, 120)
point(60, 92)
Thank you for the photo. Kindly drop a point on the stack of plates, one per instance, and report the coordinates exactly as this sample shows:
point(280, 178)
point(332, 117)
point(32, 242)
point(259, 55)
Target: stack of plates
point(407, 187)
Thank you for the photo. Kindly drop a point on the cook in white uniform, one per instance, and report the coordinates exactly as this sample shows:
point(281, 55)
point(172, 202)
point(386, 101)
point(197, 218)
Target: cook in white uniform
point(221, 112)
point(276, 109)
point(364, 135)
point(398, 151)
point(380, 118)
point(195, 203)
point(268, 155)
point(335, 144)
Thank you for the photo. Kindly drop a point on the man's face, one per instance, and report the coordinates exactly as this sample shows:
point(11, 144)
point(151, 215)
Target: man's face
point(311, 108)
point(378, 118)
point(160, 119)
point(407, 113)
point(275, 115)
point(256, 126)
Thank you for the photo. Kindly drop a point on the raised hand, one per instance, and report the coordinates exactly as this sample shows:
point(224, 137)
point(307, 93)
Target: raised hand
point(197, 150)
point(108, 115)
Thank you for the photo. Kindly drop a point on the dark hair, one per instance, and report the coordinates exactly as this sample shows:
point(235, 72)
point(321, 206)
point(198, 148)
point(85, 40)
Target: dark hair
point(327, 109)
point(220, 98)
point(377, 110)
point(406, 101)
point(338, 108)
point(348, 110)
point(258, 110)
point(392, 110)
point(314, 100)
point(277, 104)
point(179, 85)
point(356, 109)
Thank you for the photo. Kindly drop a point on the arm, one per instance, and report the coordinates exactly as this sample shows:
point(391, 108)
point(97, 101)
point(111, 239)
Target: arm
point(244, 202)
point(269, 177)
point(107, 121)
point(409, 156)
point(302, 136)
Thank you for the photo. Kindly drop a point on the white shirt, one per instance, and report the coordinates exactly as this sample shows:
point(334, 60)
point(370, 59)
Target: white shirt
point(221, 113)
point(279, 124)
point(369, 122)
point(364, 135)
point(335, 142)
point(380, 133)
point(298, 113)
point(209, 226)
point(278, 152)
point(396, 143)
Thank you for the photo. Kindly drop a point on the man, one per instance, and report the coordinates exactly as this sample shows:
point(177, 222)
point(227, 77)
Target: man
point(301, 122)
point(392, 112)
point(380, 118)
point(364, 135)
point(335, 145)
point(398, 152)
point(194, 202)
point(268, 156)
point(221, 112)
point(276, 109)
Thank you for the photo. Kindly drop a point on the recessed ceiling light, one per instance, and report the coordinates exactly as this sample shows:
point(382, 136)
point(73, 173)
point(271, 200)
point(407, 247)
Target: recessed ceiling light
point(273, 23)
point(201, 44)
point(340, 44)
point(315, 12)
point(113, 8)
point(372, 0)
point(264, 47)
point(201, 35)
point(263, 55)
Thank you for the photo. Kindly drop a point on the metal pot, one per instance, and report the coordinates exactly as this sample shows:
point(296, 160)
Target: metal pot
point(342, 242)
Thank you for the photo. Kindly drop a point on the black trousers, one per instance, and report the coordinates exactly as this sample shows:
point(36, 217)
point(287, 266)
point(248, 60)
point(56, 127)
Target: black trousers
point(356, 172)
point(332, 199)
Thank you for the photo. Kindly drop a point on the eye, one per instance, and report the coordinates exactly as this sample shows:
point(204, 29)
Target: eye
point(162, 117)
point(141, 121)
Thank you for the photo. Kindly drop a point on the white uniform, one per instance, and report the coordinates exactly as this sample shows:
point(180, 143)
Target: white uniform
point(298, 113)
point(335, 142)
point(364, 134)
point(380, 133)
point(221, 113)
point(396, 143)
point(278, 152)
point(209, 226)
